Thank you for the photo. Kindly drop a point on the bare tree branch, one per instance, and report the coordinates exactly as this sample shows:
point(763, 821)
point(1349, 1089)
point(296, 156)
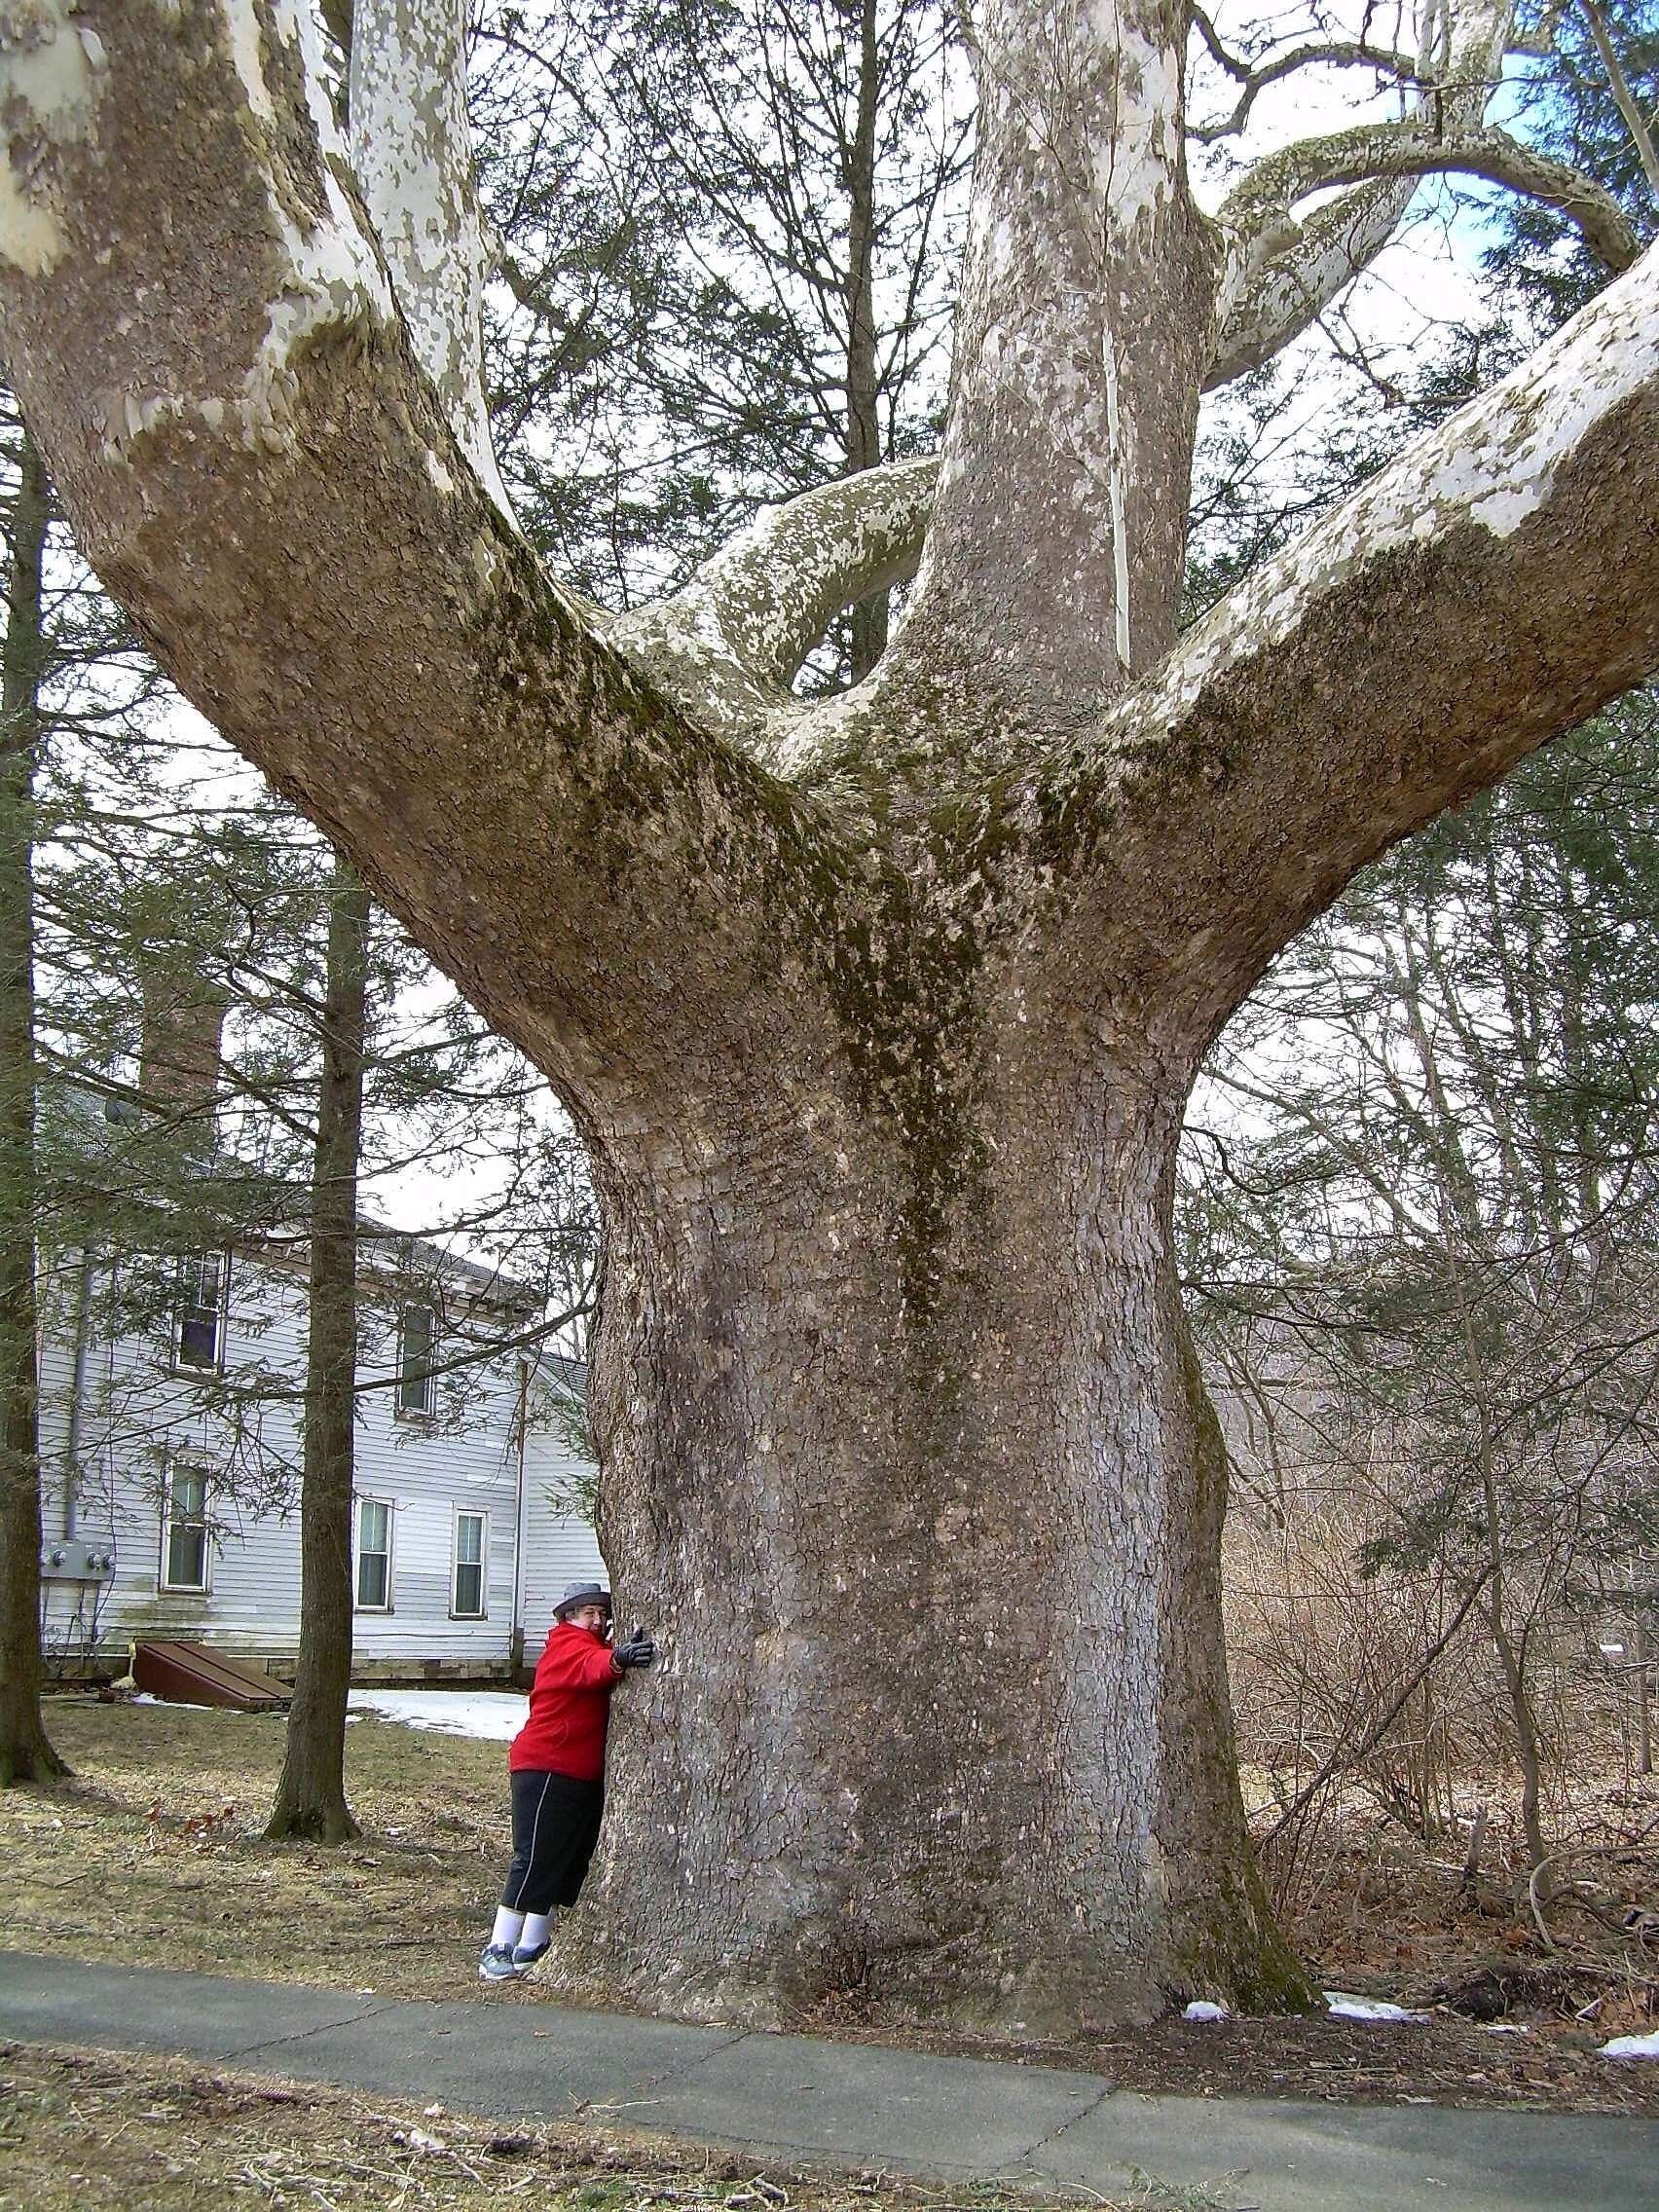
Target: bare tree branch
point(1507, 560)
point(1262, 201)
point(1337, 54)
point(1291, 288)
point(1636, 123)
point(729, 643)
point(1347, 1757)
point(412, 153)
point(1279, 274)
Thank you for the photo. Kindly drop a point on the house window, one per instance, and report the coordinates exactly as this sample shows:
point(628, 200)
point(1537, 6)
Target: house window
point(415, 1336)
point(184, 1531)
point(471, 1550)
point(199, 1310)
point(374, 1556)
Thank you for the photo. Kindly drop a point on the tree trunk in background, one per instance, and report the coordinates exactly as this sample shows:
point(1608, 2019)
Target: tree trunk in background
point(25, 1754)
point(311, 1796)
point(864, 418)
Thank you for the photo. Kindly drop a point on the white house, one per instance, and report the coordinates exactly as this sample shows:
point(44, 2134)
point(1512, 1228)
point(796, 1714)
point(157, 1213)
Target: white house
point(170, 1466)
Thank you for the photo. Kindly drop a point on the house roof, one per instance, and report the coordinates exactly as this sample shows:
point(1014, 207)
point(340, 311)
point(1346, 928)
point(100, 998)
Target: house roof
point(383, 1250)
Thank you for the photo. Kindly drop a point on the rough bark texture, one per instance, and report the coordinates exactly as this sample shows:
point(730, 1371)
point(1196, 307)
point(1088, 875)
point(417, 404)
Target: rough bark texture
point(310, 1794)
point(864, 418)
point(907, 1452)
point(25, 1754)
point(877, 1016)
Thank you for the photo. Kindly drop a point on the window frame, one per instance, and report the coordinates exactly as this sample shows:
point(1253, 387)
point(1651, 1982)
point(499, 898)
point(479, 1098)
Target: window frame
point(186, 1310)
point(359, 1555)
point(165, 1586)
point(423, 1377)
point(481, 1563)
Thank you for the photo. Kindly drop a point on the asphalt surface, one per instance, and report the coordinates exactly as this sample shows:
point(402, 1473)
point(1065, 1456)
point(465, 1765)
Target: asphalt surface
point(852, 2105)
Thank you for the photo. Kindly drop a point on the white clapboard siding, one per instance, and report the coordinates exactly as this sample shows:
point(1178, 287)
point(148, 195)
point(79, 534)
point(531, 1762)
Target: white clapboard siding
point(136, 1415)
point(557, 1542)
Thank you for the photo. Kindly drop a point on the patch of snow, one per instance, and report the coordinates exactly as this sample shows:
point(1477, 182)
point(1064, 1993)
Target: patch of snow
point(1346, 2006)
point(1633, 2046)
point(1505, 2028)
point(1201, 2008)
point(489, 1717)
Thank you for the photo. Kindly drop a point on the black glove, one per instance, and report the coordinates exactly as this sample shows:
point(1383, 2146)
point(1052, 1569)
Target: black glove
point(639, 1650)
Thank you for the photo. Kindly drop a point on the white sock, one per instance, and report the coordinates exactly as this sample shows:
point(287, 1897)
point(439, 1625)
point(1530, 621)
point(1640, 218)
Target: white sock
point(508, 1927)
point(538, 1930)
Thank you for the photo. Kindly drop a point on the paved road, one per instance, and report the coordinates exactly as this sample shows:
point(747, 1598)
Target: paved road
point(848, 2104)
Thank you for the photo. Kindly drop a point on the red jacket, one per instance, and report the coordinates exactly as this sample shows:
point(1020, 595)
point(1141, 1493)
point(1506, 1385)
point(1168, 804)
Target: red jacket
point(570, 1707)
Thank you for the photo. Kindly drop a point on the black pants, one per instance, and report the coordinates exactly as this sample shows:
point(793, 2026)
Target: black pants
point(555, 1827)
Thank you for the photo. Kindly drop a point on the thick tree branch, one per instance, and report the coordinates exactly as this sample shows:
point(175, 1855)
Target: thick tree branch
point(1272, 188)
point(1283, 294)
point(1279, 274)
point(411, 152)
point(729, 643)
point(259, 469)
point(1494, 585)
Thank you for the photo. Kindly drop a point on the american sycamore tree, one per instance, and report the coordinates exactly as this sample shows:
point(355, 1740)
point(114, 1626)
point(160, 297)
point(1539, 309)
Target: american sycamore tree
point(878, 1014)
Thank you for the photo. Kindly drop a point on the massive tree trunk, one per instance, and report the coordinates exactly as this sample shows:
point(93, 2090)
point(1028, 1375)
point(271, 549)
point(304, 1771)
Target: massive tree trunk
point(310, 1794)
point(879, 1014)
point(908, 1456)
point(25, 1754)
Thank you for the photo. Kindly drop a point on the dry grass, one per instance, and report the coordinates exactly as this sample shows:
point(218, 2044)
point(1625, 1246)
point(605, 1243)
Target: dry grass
point(152, 1854)
point(82, 2131)
point(137, 1859)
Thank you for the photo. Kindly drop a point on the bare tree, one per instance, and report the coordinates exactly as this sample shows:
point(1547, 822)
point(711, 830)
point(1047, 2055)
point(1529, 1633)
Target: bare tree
point(877, 1016)
point(1423, 1248)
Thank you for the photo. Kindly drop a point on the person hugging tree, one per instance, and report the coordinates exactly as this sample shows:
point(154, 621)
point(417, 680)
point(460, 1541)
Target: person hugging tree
point(557, 1765)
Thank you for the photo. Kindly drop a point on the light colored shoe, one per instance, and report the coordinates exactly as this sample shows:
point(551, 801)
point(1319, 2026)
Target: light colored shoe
point(496, 1963)
point(526, 1954)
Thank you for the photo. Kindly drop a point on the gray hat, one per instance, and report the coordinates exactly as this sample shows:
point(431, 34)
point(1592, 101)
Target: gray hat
point(581, 1594)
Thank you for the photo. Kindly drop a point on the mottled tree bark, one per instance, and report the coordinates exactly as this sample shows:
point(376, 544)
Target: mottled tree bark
point(907, 1455)
point(877, 1014)
point(863, 416)
point(25, 1754)
point(311, 1795)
